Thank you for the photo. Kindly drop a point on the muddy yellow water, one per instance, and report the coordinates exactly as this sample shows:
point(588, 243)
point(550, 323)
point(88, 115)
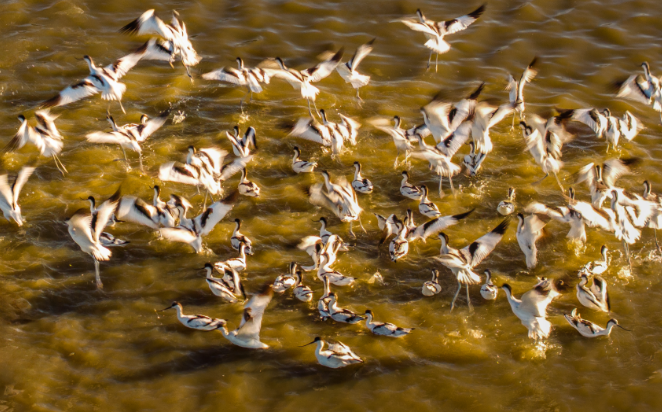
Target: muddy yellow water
point(66, 346)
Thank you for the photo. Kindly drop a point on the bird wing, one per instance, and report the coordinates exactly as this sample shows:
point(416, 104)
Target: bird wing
point(599, 289)
point(319, 198)
point(251, 321)
point(437, 115)
point(455, 259)
point(349, 121)
point(179, 172)
point(136, 210)
point(47, 122)
point(361, 52)
point(21, 137)
point(103, 213)
point(234, 167)
point(6, 193)
point(122, 65)
point(454, 142)
point(325, 68)
point(416, 25)
point(178, 234)
point(527, 76)
point(226, 74)
point(309, 129)
point(215, 157)
point(636, 88)
point(501, 113)
point(111, 138)
point(435, 226)
point(535, 222)
point(512, 89)
point(23, 176)
point(148, 23)
point(158, 49)
point(539, 208)
point(214, 214)
point(613, 169)
point(485, 244)
point(592, 216)
point(81, 222)
point(152, 125)
point(460, 23)
point(73, 93)
point(590, 117)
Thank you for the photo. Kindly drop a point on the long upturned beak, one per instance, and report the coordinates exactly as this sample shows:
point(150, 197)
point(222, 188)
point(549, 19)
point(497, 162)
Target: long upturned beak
point(315, 341)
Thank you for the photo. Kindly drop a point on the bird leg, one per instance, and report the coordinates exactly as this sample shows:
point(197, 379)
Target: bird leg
point(316, 111)
point(351, 232)
point(60, 167)
point(429, 60)
point(395, 164)
point(359, 97)
point(441, 192)
point(627, 254)
point(559, 182)
point(140, 158)
point(471, 308)
point(204, 203)
point(450, 179)
point(361, 224)
point(436, 63)
point(310, 112)
point(97, 274)
point(455, 297)
point(122, 107)
point(657, 244)
point(125, 158)
point(540, 181)
point(188, 72)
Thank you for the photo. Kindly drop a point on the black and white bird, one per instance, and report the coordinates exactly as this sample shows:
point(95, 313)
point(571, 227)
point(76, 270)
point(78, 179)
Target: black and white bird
point(516, 88)
point(339, 198)
point(589, 329)
point(487, 116)
point(564, 214)
point(85, 229)
point(342, 315)
point(388, 225)
point(488, 291)
point(230, 290)
point(302, 166)
point(361, 184)
point(440, 159)
point(531, 308)
point(529, 231)
point(435, 31)
point(303, 79)
point(242, 147)
point(242, 76)
point(644, 89)
point(197, 322)
point(622, 225)
point(348, 70)
point(434, 226)
point(135, 210)
point(326, 272)
point(301, 291)
point(175, 42)
point(9, 194)
point(45, 137)
point(385, 328)
point(592, 118)
point(399, 246)
point(403, 142)
point(463, 261)
point(247, 335)
point(432, 287)
point(239, 238)
point(598, 266)
point(286, 281)
point(203, 168)
point(473, 161)
point(409, 190)
point(336, 355)
point(596, 296)
point(507, 207)
point(309, 129)
point(426, 207)
point(104, 80)
point(236, 263)
point(340, 133)
point(627, 127)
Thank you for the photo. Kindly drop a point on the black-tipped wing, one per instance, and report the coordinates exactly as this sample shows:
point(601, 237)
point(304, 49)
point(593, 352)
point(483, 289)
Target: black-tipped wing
point(324, 68)
point(460, 23)
point(484, 245)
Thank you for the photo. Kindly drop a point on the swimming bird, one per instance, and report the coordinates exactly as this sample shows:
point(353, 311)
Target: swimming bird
point(361, 184)
point(246, 187)
point(403, 142)
point(228, 291)
point(197, 322)
point(342, 315)
point(516, 88)
point(323, 302)
point(399, 246)
point(529, 231)
point(385, 328)
point(337, 355)
point(531, 308)
point(9, 194)
point(488, 291)
point(247, 335)
point(302, 79)
point(101, 79)
point(284, 282)
point(176, 44)
point(201, 225)
point(507, 207)
point(601, 179)
point(435, 31)
point(348, 70)
point(432, 287)
point(325, 272)
point(302, 166)
point(409, 190)
point(238, 263)
point(85, 229)
point(463, 261)
point(45, 137)
point(596, 297)
point(427, 208)
point(589, 329)
point(242, 76)
point(239, 238)
point(434, 226)
point(644, 90)
point(301, 291)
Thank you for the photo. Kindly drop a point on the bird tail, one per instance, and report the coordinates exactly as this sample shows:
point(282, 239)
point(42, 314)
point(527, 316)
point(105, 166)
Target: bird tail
point(438, 45)
point(308, 91)
point(468, 277)
point(101, 253)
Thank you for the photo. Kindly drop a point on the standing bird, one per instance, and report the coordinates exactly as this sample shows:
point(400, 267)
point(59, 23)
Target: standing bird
point(101, 79)
point(176, 44)
point(45, 137)
point(488, 291)
point(529, 230)
point(463, 261)
point(85, 229)
point(435, 31)
point(286, 281)
point(516, 89)
point(302, 79)
point(385, 328)
point(247, 335)
point(302, 166)
point(227, 290)
point(348, 70)
point(599, 266)
point(432, 287)
point(197, 322)
point(9, 194)
point(589, 329)
point(361, 184)
point(596, 297)
point(531, 308)
point(337, 355)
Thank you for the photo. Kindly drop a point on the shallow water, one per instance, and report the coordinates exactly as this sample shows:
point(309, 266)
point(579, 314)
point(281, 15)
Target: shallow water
point(67, 346)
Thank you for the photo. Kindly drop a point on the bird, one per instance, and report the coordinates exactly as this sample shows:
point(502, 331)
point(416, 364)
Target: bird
point(644, 90)
point(189, 174)
point(246, 187)
point(339, 198)
point(596, 297)
point(434, 226)
point(242, 147)
point(589, 329)
point(301, 291)
point(385, 328)
point(463, 261)
point(176, 40)
point(228, 291)
point(565, 214)
point(348, 70)
point(302, 166)
point(507, 207)
point(599, 266)
point(342, 315)
point(310, 129)
point(622, 226)
point(323, 302)
point(104, 80)
point(516, 88)
point(435, 31)
point(284, 282)
point(432, 287)
point(627, 127)
point(135, 210)
point(531, 308)
point(361, 184)
point(302, 79)
point(247, 335)
point(485, 117)
point(239, 238)
point(399, 246)
point(9, 194)
point(473, 161)
point(529, 231)
point(325, 272)
point(592, 118)
point(129, 136)
point(440, 159)
point(340, 133)
point(387, 225)
point(109, 240)
point(201, 225)
point(238, 263)
point(242, 76)
point(337, 355)
point(46, 138)
point(601, 179)
point(403, 142)
point(85, 228)
point(409, 190)
point(488, 291)
point(197, 322)
point(427, 208)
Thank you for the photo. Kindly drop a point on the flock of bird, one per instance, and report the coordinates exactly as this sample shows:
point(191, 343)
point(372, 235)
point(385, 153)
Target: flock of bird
point(452, 125)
